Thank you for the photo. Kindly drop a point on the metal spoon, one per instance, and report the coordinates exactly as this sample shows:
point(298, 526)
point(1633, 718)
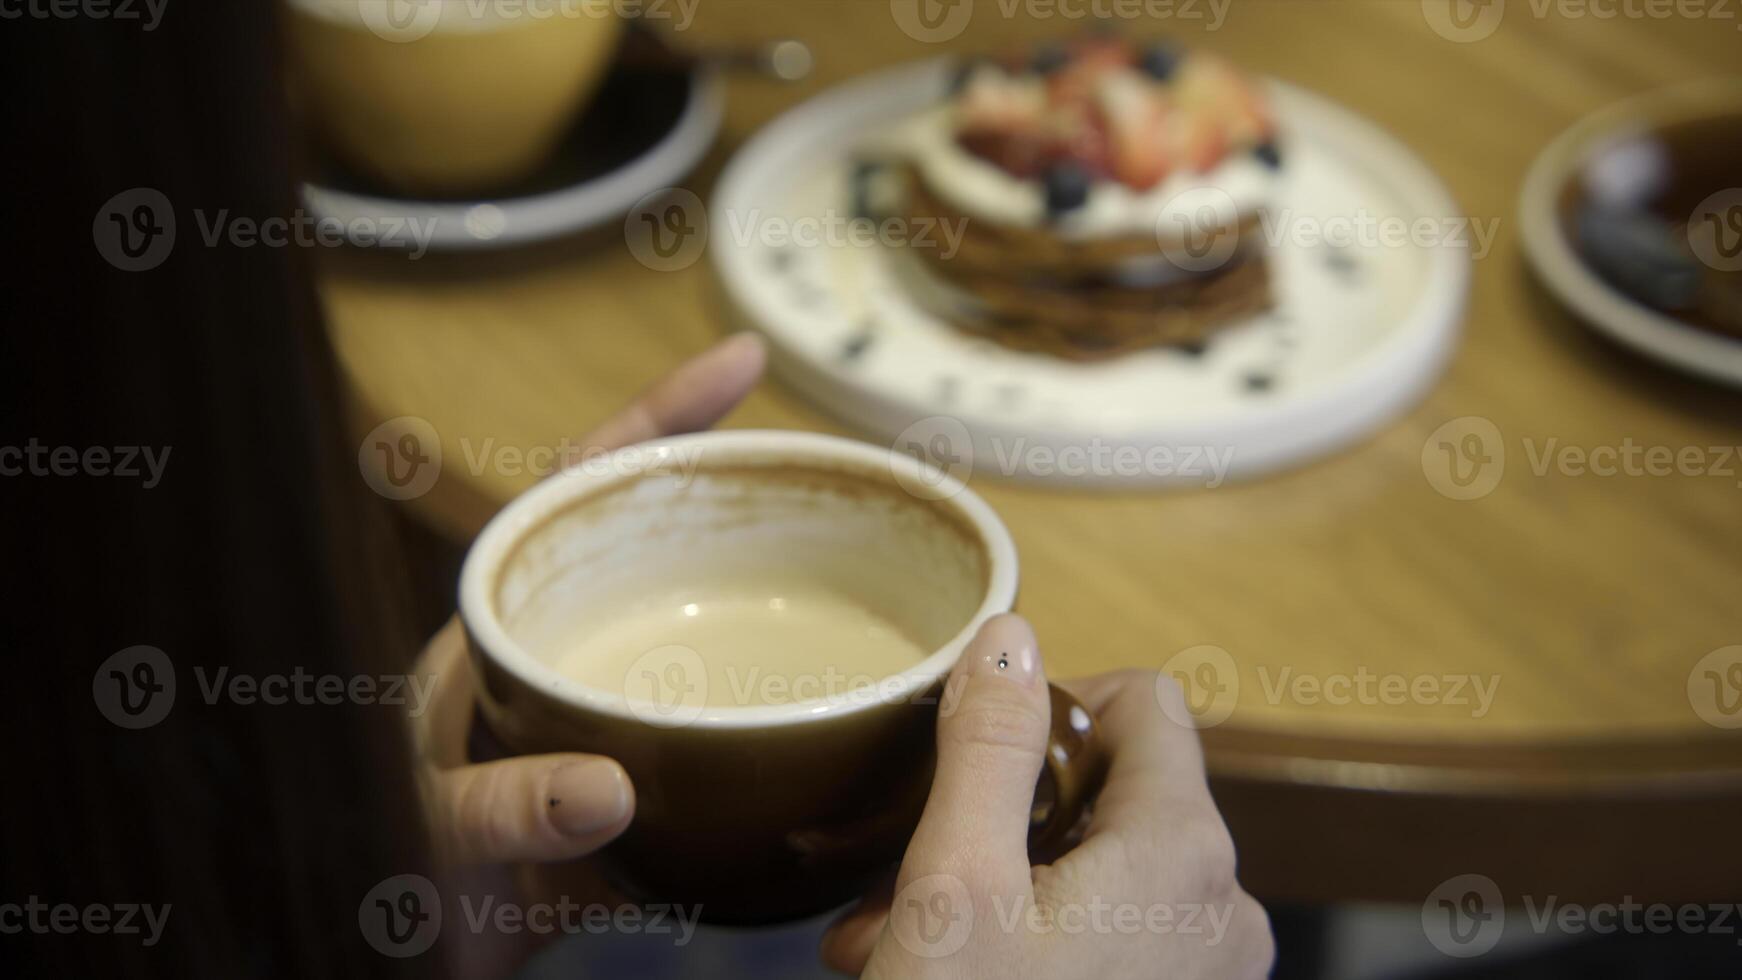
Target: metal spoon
point(785, 60)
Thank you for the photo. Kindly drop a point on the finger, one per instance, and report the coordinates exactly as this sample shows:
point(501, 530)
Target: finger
point(992, 734)
point(1157, 764)
point(693, 397)
point(531, 808)
point(847, 944)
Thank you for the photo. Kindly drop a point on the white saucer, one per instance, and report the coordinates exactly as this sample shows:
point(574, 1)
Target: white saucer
point(574, 194)
point(1359, 332)
point(1574, 283)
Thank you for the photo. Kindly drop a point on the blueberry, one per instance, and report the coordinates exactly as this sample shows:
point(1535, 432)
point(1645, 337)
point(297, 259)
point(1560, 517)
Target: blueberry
point(1067, 188)
point(1268, 154)
point(1159, 61)
point(1049, 58)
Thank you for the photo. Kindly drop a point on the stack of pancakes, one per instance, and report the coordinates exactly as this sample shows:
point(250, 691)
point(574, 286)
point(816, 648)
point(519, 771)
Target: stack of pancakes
point(1081, 236)
point(1095, 298)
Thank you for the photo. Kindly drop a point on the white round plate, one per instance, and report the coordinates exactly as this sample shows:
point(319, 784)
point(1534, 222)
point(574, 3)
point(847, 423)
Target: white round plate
point(511, 221)
point(1358, 333)
point(1574, 283)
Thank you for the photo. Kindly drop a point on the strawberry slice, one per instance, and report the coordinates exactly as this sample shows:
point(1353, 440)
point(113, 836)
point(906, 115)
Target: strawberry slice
point(1092, 105)
point(1137, 125)
point(1081, 135)
point(1250, 120)
point(1143, 161)
point(1091, 61)
point(1210, 87)
point(1109, 50)
point(1198, 140)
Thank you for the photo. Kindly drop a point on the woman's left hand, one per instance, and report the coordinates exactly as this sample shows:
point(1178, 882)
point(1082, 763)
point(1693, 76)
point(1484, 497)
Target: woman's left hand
point(564, 805)
point(513, 827)
point(526, 808)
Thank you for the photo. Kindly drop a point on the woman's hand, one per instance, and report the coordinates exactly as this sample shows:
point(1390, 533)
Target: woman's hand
point(526, 808)
point(501, 825)
point(559, 806)
point(1150, 890)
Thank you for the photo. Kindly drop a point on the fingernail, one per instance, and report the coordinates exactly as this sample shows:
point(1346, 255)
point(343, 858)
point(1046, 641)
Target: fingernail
point(586, 797)
point(1005, 647)
point(750, 337)
point(742, 343)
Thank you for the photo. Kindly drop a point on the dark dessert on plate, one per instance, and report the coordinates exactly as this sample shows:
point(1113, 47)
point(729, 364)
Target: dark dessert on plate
point(1656, 213)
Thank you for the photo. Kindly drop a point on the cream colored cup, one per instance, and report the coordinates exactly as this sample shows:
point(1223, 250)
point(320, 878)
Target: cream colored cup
point(446, 96)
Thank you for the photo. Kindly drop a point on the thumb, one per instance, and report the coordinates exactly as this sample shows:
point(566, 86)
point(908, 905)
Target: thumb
point(530, 808)
point(992, 733)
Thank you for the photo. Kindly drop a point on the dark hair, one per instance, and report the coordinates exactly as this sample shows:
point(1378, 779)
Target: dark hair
point(259, 550)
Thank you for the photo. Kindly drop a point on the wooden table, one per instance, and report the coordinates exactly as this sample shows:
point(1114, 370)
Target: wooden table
point(1590, 599)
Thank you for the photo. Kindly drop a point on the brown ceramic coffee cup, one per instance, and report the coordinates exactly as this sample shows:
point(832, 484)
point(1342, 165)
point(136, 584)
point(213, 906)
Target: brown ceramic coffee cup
point(756, 801)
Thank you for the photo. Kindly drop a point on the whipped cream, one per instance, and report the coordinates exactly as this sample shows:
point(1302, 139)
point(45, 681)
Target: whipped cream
point(1240, 185)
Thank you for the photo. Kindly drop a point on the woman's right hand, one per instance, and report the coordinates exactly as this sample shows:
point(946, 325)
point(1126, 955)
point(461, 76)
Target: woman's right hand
point(1149, 892)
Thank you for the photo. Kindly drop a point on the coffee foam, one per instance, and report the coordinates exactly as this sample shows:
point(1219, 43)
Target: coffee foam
point(789, 571)
point(739, 642)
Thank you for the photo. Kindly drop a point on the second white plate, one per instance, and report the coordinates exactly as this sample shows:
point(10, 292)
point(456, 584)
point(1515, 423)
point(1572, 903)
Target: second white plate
point(1571, 278)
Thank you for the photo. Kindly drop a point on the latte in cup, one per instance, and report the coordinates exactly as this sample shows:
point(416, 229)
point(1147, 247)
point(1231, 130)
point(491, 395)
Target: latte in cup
point(444, 97)
point(764, 641)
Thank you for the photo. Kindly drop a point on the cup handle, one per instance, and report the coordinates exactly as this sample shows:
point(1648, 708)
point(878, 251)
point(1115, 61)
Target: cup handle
point(1076, 765)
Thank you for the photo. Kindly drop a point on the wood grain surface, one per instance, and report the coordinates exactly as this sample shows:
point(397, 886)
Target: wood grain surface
point(1587, 600)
